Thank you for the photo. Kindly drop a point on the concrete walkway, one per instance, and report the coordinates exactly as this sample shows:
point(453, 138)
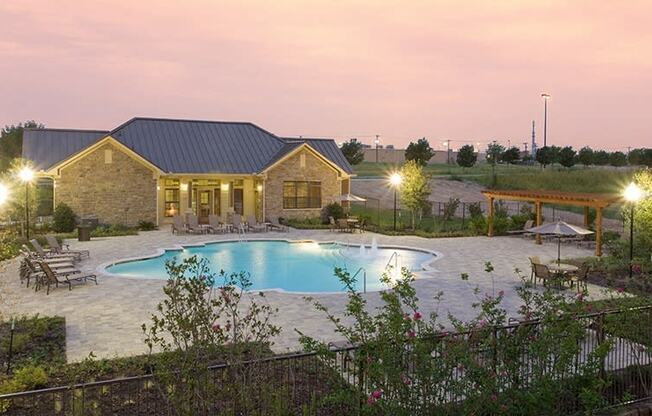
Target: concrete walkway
point(106, 319)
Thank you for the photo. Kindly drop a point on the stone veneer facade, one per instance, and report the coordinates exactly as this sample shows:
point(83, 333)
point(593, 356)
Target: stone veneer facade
point(315, 169)
point(114, 187)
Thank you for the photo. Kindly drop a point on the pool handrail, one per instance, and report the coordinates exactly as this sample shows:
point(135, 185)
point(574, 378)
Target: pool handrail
point(364, 278)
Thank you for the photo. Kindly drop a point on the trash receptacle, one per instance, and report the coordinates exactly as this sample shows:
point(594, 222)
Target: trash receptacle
point(84, 232)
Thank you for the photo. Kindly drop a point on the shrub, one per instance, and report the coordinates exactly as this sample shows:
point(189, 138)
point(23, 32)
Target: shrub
point(450, 208)
point(9, 244)
point(31, 377)
point(146, 226)
point(113, 230)
point(64, 219)
point(334, 210)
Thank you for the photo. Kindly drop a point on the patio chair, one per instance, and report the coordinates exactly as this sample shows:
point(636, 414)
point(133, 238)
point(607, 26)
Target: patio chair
point(526, 226)
point(43, 254)
point(54, 278)
point(215, 226)
point(254, 225)
point(542, 272)
point(332, 223)
point(360, 225)
point(533, 260)
point(237, 223)
point(274, 223)
point(30, 270)
point(54, 245)
point(343, 225)
point(177, 225)
point(580, 277)
point(192, 226)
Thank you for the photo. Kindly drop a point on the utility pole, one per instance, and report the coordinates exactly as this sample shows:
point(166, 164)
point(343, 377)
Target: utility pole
point(448, 151)
point(533, 147)
point(377, 141)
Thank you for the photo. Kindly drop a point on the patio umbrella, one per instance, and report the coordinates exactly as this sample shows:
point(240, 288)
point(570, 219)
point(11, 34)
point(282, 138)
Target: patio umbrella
point(559, 228)
point(350, 198)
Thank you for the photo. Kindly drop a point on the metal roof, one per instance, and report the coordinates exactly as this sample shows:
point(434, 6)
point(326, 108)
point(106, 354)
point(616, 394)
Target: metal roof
point(46, 147)
point(185, 146)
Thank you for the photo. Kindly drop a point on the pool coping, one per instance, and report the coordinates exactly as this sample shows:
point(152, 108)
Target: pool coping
point(422, 274)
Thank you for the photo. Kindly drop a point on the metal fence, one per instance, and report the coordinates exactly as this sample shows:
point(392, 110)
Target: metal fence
point(297, 383)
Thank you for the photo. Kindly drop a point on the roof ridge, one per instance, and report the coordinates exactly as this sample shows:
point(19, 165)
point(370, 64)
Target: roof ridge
point(63, 129)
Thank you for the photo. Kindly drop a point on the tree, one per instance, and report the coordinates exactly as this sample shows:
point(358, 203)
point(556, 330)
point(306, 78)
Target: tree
point(635, 157)
point(617, 159)
point(511, 155)
point(415, 188)
point(420, 152)
point(554, 154)
point(601, 158)
point(11, 142)
point(585, 156)
point(352, 151)
point(544, 156)
point(494, 151)
point(466, 156)
point(567, 157)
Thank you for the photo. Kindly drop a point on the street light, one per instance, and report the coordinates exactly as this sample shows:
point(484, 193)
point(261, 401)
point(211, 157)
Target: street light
point(395, 180)
point(545, 97)
point(632, 195)
point(26, 175)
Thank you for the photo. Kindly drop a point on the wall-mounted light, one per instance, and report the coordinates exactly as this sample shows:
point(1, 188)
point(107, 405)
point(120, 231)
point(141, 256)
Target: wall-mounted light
point(158, 188)
point(184, 187)
point(225, 187)
point(259, 188)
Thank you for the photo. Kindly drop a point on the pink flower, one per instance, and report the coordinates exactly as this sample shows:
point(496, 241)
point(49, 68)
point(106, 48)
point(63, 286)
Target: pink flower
point(482, 323)
point(580, 297)
point(636, 268)
point(416, 316)
point(371, 401)
point(620, 289)
point(406, 317)
point(377, 394)
point(410, 334)
point(494, 398)
point(216, 327)
point(405, 379)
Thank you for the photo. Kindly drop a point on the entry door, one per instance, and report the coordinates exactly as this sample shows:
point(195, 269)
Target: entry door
point(238, 203)
point(204, 206)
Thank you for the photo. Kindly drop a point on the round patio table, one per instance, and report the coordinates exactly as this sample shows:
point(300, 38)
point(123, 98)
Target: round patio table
point(562, 267)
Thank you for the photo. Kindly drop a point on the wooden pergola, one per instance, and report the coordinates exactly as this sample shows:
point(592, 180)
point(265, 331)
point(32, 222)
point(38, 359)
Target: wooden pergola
point(538, 198)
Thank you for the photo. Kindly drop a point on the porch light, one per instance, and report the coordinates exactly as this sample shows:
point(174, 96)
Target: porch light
point(4, 194)
point(225, 187)
point(259, 188)
point(184, 187)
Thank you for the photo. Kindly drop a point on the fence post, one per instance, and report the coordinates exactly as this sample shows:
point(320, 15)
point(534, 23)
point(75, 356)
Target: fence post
point(463, 213)
point(601, 335)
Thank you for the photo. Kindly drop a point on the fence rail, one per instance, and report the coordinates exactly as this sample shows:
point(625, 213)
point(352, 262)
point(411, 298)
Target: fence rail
point(294, 383)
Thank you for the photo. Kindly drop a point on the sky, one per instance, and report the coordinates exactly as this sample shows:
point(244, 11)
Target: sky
point(468, 71)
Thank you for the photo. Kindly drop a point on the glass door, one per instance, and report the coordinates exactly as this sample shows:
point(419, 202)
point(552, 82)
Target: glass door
point(204, 205)
point(238, 201)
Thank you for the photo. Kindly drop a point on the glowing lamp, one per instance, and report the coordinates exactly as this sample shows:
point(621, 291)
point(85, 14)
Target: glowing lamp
point(633, 193)
point(395, 179)
point(26, 174)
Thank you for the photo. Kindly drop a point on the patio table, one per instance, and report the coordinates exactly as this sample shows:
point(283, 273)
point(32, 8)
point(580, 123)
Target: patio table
point(561, 270)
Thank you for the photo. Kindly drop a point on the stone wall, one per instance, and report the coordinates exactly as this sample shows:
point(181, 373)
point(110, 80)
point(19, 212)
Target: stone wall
point(110, 185)
point(291, 170)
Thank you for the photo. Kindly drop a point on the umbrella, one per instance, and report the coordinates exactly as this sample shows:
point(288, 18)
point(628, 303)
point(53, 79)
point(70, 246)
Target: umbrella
point(350, 198)
point(559, 228)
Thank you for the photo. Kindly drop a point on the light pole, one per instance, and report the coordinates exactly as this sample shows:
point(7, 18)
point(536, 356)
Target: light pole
point(395, 180)
point(26, 175)
point(545, 97)
point(377, 142)
point(632, 194)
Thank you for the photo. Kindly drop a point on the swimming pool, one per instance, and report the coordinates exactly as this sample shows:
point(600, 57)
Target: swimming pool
point(303, 266)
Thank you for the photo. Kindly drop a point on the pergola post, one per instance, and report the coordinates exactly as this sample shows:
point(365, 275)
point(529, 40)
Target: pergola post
point(537, 205)
point(586, 217)
point(490, 217)
point(598, 232)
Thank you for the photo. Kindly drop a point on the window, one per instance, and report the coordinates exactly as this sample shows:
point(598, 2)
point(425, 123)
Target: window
point(301, 194)
point(171, 197)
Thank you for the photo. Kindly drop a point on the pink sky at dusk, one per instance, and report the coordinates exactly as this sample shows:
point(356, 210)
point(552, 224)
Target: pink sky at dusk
point(469, 71)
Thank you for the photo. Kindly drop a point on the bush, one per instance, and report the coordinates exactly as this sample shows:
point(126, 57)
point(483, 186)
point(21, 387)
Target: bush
point(64, 219)
point(334, 210)
point(113, 230)
point(31, 377)
point(9, 244)
point(146, 226)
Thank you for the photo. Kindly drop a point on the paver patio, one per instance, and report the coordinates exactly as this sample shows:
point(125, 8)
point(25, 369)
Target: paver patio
point(106, 319)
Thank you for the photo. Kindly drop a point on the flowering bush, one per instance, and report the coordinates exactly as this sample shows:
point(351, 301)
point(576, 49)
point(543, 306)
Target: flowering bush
point(407, 364)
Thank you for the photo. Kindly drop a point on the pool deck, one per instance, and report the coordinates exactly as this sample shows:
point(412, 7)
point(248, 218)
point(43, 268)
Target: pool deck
point(106, 318)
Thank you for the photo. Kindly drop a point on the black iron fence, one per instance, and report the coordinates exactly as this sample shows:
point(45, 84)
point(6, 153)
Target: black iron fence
point(298, 383)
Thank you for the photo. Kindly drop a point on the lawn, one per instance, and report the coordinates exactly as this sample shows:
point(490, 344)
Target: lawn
point(370, 169)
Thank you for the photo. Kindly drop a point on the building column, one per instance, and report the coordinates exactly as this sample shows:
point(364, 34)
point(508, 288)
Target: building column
point(538, 207)
point(490, 217)
point(598, 232)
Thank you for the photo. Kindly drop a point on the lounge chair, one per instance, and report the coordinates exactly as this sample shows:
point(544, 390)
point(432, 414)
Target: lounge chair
point(54, 278)
point(526, 226)
point(192, 226)
point(237, 223)
point(51, 254)
point(54, 245)
point(254, 225)
point(215, 226)
point(30, 270)
point(177, 225)
point(53, 262)
point(275, 224)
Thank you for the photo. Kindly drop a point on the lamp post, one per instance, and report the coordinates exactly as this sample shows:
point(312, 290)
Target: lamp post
point(395, 180)
point(26, 175)
point(545, 97)
point(377, 142)
point(632, 194)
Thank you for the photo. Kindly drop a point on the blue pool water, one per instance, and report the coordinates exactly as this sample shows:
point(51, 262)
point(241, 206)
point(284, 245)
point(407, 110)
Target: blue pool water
point(290, 266)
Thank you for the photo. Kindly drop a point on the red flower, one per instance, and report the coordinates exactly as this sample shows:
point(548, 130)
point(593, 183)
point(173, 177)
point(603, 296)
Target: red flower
point(620, 289)
point(494, 398)
point(410, 334)
point(216, 327)
point(416, 316)
point(636, 268)
point(377, 394)
point(405, 379)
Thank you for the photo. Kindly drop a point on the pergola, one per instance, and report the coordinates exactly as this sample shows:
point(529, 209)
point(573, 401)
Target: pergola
point(538, 198)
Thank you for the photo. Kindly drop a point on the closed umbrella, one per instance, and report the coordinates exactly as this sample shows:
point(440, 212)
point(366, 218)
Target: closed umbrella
point(559, 228)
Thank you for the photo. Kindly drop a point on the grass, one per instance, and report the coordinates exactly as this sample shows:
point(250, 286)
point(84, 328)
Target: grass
point(371, 169)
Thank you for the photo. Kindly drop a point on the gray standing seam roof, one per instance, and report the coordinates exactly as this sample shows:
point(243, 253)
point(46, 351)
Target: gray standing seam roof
point(181, 146)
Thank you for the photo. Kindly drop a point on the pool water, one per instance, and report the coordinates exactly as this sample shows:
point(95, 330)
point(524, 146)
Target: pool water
point(289, 266)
